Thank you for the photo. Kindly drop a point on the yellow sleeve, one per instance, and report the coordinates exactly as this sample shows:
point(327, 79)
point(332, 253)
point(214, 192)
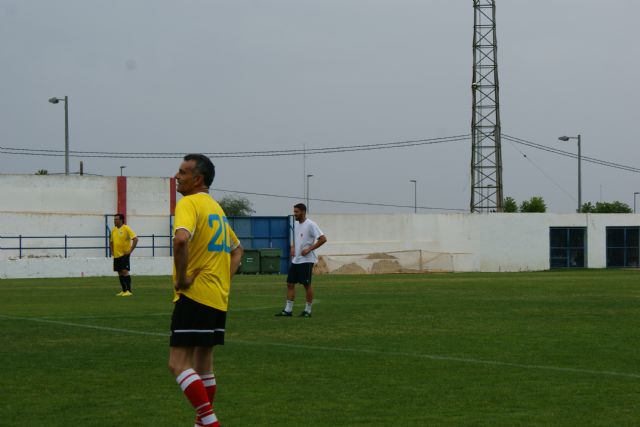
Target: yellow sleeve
point(132, 234)
point(185, 216)
point(234, 242)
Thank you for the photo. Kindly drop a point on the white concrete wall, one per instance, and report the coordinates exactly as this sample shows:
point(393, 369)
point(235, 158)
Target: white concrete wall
point(480, 242)
point(57, 194)
point(147, 196)
point(81, 267)
point(57, 205)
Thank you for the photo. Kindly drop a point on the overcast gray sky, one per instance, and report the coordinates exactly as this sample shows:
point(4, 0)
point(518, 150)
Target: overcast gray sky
point(252, 75)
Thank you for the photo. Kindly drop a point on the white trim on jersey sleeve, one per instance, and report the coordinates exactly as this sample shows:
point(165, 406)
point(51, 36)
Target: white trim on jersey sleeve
point(183, 228)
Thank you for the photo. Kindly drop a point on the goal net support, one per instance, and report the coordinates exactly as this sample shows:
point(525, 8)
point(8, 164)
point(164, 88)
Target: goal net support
point(411, 261)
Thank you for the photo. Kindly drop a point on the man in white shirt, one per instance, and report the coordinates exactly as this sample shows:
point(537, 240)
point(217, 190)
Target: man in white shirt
point(307, 237)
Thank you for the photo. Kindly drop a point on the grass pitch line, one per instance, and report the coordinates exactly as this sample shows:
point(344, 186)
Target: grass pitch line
point(348, 350)
point(80, 325)
point(442, 358)
point(110, 316)
point(134, 316)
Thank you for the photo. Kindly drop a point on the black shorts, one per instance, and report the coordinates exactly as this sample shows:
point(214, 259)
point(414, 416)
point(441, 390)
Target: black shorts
point(121, 263)
point(300, 273)
point(196, 325)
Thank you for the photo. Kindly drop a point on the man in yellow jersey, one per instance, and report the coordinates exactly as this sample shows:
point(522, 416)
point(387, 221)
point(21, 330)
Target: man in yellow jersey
point(206, 255)
point(122, 242)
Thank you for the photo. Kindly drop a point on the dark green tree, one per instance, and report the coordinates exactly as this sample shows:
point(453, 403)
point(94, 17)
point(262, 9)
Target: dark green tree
point(236, 206)
point(606, 207)
point(534, 204)
point(510, 205)
point(42, 172)
point(588, 207)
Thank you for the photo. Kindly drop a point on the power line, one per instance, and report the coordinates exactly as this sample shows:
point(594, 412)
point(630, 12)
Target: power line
point(351, 202)
point(543, 172)
point(299, 152)
point(569, 154)
point(242, 154)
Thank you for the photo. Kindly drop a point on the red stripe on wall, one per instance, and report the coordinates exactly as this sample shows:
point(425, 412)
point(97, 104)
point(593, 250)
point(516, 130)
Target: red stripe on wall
point(172, 196)
point(122, 195)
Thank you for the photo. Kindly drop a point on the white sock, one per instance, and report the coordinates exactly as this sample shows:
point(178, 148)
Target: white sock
point(289, 306)
point(308, 307)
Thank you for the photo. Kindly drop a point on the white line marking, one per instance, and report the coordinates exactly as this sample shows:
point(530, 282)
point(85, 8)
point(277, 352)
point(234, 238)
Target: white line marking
point(111, 316)
point(271, 307)
point(443, 358)
point(129, 316)
point(350, 350)
point(79, 325)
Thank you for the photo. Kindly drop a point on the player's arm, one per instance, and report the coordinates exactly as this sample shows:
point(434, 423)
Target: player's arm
point(321, 241)
point(111, 246)
point(292, 251)
point(134, 243)
point(236, 257)
point(181, 258)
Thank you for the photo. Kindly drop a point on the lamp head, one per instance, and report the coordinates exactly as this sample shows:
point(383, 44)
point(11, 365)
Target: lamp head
point(563, 138)
point(54, 100)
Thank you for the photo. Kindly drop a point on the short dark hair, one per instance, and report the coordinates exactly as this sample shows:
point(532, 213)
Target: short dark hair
point(119, 215)
point(301, 206)
point(203, 167)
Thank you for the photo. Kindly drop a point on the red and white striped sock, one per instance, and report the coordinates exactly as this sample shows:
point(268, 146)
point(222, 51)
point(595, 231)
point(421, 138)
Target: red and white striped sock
point(194, 389)
point(209, 381)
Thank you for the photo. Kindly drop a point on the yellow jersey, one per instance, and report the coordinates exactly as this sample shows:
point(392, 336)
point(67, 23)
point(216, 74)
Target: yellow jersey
point(121, 239)
point(210, 246)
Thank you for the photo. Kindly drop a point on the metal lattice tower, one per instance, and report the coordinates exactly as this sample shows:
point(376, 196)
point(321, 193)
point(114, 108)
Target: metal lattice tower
point(486, 154)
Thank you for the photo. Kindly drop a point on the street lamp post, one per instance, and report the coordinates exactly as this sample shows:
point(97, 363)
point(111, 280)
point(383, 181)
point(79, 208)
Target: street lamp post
point(121, 167)
point(415, 195)
point(634, 201)
point(567, 138)
point(308, 176)
point(55, 100)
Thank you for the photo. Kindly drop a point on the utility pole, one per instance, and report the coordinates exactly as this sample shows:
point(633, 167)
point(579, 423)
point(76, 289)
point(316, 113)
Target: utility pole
point(308, 200)
point(415, 195)
point(486, 153)
point(55, 100)
point(567, 138)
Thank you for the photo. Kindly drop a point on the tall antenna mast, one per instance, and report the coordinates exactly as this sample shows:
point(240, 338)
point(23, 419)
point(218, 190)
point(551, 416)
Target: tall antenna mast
point(486, 154)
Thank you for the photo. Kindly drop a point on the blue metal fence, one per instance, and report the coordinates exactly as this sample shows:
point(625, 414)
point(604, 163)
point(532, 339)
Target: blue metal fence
point(23, 244)
point(255, 232)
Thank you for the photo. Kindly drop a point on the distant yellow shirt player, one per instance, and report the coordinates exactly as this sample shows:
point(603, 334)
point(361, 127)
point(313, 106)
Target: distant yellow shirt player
point(122, 242)
point(121, 238)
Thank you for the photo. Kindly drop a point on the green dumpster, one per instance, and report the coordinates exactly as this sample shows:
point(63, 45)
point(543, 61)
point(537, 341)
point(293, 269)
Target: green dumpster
point(250, 263)
point(270, 261)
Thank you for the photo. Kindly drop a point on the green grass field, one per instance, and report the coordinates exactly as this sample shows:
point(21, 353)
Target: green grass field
point(548, 348)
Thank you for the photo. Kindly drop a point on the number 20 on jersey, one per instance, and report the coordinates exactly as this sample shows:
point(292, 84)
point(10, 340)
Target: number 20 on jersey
point(220, 240)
